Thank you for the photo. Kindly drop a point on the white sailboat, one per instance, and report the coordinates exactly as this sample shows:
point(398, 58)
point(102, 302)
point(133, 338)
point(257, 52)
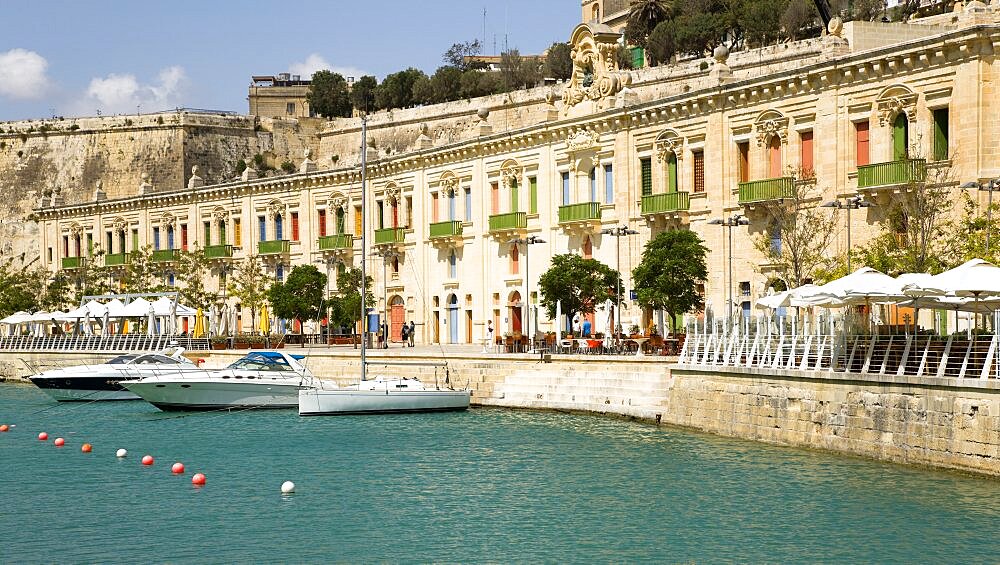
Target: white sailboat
point(380, 395)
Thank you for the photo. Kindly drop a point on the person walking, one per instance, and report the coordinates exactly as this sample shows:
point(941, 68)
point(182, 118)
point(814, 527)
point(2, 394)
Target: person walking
point(385, 335)
point(412, 333)
point(489, 335)
point(405, 334)
point(587, 326)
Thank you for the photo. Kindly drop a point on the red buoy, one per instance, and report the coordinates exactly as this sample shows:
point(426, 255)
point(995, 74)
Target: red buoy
point(177, 468)
point(59, 442)
point(147, 459)
point(4, 428)
point(86, 448)
point(198, 479)
point(43, 437)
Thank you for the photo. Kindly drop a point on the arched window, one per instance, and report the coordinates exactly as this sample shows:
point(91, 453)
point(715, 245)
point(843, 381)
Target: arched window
point(774, 156)
point(515, 260)
point(588, 248)
point(452, 265)
point(900, 137)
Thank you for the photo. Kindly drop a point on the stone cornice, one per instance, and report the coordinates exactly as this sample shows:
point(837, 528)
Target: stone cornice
point(854, 68)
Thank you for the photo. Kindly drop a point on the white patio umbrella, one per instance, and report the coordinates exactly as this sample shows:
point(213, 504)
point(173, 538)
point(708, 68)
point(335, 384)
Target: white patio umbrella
point(234, 328)
point(16, 318)
point(975, 278)
point(105, 327)
point(87, 328)
point(558, 321)
point(172, 319)
point(223, 320)
point(864, 286)
point(151, 321)
point(213, 320)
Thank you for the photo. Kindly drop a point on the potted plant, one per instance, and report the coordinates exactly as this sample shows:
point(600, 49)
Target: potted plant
point(219, 343)
point(257, 342)
point(634, 331)
point(241, 342)
point(277, 341)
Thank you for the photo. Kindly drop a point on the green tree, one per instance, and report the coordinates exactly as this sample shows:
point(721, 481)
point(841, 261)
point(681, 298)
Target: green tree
point(967, 237)
point(423, 91)
point(643, 17)
point(800, 20)
point(672, 267)
point(579, 284)
point(18, 290)
point(479, 83)
point(193, 268)
point(517, 72)
point(249, 285)
point(446, 84)
point(300, 297)
point(363, 93)
point(661, 45)
point(456, 55)
point(558, 64)
point(346, 305)
point(396, 91)
point(328, 95)
point(141, 274)
point(796, 236)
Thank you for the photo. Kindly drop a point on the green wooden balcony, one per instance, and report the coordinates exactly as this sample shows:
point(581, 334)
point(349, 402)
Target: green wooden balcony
point(165, 255)
point(583, 212)
point(335, 242)
point(387, 236)
point(273, 247)
point(115, 259)
point(445, 229)
point(74, 262)
point(508, 221)
point(767, 189)
point(904, 171)
point(666, 203)
point(219, 251)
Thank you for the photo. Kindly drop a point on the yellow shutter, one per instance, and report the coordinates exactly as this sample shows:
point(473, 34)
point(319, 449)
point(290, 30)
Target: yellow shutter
point(357, 221)
point(237, 233)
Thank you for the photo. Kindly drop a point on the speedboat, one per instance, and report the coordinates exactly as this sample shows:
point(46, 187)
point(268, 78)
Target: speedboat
point(379, 396)
point(262, 379)
point(103, 381)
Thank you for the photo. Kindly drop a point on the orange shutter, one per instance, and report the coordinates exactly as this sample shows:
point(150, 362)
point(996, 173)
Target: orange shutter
point(321, 220)
point(863, 155)
point(806, 138)
point(744, 150)
point(295, 226)
point(237, 233)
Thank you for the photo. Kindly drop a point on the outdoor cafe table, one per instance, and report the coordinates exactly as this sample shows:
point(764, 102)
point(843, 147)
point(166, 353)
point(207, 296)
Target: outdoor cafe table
point(639, 341)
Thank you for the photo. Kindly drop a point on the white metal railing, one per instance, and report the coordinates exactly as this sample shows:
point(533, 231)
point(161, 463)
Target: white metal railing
point(118, 342)
point(839, 343)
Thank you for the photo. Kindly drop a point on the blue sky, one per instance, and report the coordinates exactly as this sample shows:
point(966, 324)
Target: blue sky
point(73, 58)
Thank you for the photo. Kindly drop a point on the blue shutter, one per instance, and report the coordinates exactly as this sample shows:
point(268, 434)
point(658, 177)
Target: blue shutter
point(262, 224)
point(156, 239)
point(593, 184)
point(565, 189)
point(277, 227)
point(468, 204)
point(609, 185)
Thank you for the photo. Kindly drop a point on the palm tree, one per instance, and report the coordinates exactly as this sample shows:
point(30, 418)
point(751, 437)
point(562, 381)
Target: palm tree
point(643, 16)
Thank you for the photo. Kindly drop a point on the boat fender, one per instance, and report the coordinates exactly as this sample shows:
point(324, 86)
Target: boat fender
point(200, 361)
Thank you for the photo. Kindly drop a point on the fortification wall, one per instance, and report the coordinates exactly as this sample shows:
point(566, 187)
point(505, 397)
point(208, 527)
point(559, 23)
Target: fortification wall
point(68, 157)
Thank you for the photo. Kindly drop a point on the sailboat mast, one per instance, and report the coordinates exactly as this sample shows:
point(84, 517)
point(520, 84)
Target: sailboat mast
point(364, 248)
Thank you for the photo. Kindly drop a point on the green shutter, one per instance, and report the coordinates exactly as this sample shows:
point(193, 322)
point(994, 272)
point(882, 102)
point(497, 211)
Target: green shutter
point(533, 195)
point(135, 240)
point(941, 134)
point(899, 137)
point(513, 196)
point(90, 245)
point(638, 57)
point(646, 168)
point(222, 233)
point(672, 173)
point(208, 234)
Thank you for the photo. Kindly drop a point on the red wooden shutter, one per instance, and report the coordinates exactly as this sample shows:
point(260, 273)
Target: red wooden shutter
point(295, 226)
point(863, 155)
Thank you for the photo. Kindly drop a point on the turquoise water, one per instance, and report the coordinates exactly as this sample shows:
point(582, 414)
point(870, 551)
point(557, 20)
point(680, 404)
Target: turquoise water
point(486, 485)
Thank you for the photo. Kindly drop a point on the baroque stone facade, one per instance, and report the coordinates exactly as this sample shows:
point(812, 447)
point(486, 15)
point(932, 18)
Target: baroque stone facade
point(452, 185)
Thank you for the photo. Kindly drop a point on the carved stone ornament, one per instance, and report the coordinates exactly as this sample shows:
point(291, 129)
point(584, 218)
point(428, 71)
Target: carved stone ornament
point(668, 145)
point(338, 202)
point(76, 229)
point(582, 140)
point(274, 208)
point(511, 174)
point(769, 128)
point(220, 215)
point(449, 184)
point(120, 225)
point(595, 65)
point(890, 107)
point(392, 193)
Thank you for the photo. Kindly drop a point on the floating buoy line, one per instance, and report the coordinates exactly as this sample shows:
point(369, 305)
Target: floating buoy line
point(178, 468)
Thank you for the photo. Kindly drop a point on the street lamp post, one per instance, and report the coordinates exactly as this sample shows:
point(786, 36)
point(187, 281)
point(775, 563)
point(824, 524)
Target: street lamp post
point(730, 223)
point(528, 242)
point(385, 255)
point(850, 203)
point(989, 187)
point(618, 232)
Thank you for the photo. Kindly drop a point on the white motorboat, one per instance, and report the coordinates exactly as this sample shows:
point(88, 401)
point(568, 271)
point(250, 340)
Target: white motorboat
point(103, 381)
point(380, 395)
point(261, 379)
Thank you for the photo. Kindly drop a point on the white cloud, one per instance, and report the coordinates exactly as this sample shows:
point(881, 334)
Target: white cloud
point(315, 62)
point(22, 74)
point(123, 93)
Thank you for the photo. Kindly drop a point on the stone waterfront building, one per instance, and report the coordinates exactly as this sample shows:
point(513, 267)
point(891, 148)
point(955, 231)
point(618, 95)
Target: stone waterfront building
point(868, 109)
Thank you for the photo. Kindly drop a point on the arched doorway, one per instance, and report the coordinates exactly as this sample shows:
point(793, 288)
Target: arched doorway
point(397, 317)
point(452, 318)
point(514, 306)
